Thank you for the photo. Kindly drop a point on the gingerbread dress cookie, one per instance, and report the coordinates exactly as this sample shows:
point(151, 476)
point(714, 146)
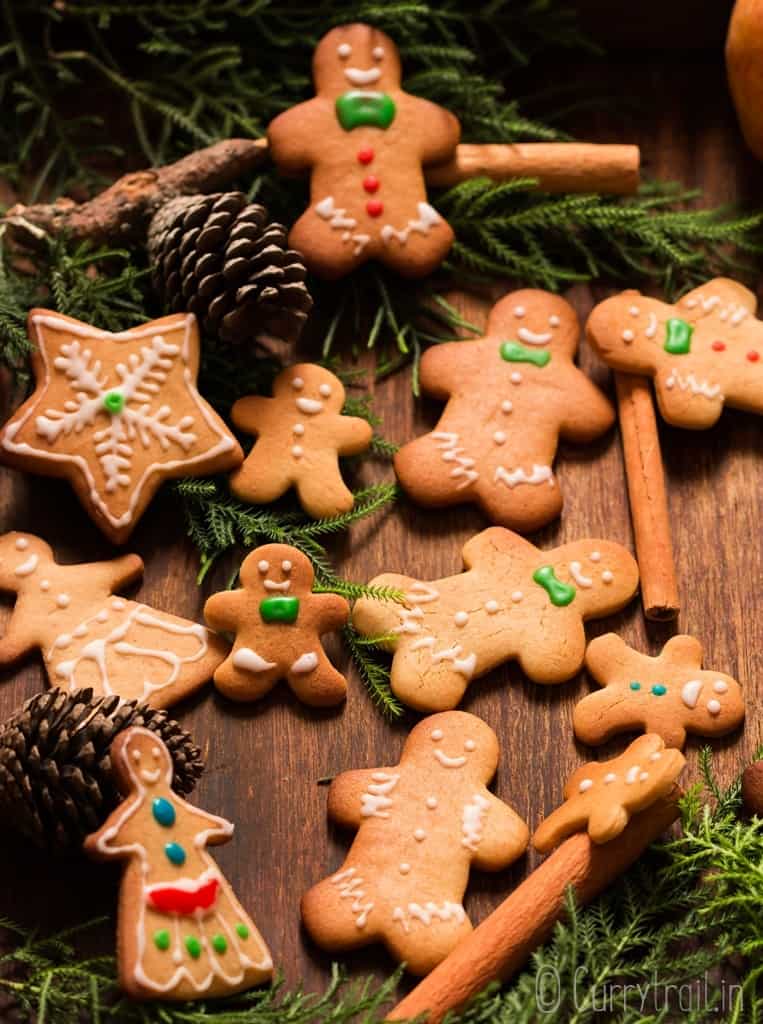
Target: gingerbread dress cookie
point(116, 414)
point(278, 623)
point(510, 396)
point(422, 825)
point(513, 602)
point(182, 933)
point(300, 435)
point(365, 142)
point(89, 637)
point(704, 352)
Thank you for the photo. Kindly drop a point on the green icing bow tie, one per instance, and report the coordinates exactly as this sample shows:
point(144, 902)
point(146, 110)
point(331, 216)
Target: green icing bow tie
point(516, 352)
point(360, 107)
point(279, 609)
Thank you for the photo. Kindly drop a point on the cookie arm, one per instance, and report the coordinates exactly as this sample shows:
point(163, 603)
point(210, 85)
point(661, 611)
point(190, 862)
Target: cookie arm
point(114, 838)
point(437, 130)
point(19, 638)
point(345, 795)
point(353, 435)
point(504, 836)
point(292, 137)
point(222, 611)
point(442, 366)
point(586, 411)
point(331, 611)
point(217, 830)
point(120, 571)
point(248, 413)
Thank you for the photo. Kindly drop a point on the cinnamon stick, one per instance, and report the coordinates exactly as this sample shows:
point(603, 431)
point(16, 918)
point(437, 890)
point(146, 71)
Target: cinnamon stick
point(498, 947)
point(648, 501)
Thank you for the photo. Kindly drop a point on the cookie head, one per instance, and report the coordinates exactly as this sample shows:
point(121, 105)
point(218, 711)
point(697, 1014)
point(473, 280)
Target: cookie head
point(456, 742)
point(277, 569)
point(355, 57)
point(715, 697)
point(145, 759)
point(538, 320)
point(630, 331)
point(312, 389)
point(22, 555)
point(603, 575)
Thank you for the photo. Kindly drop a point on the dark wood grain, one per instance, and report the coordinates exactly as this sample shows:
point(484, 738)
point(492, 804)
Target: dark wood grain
point(265, 760)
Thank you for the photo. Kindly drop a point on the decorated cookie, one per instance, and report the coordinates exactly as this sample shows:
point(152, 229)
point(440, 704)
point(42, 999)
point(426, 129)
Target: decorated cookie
point(513, 601)
point(116, 414)
point(668, 695)
point(182, 934)
point(703, 351)
point(603, 795)
point(422, 824)
point(91, 638)
point(522, 379)
point(278, 623)
point(300, 435)
point(364, 142)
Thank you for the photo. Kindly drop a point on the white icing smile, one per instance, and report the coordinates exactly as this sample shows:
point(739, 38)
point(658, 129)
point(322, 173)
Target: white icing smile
point(692, 384)
point(531, 338)
point(309, 405)
point(449, 762)
point(150, 776)
point(576, 571)
point(272, 585)
point(362, 76)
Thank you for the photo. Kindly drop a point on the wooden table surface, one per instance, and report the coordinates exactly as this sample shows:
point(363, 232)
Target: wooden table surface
point(265, 759)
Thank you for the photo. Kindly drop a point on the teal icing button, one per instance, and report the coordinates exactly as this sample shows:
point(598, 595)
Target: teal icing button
point(635, 685)
point(163, 812)
point(175, 853)
point(659, 690)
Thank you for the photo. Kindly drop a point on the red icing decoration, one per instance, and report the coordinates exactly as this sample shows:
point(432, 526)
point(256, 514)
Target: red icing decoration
point(371, 183)
point(171, 900)
point(753, 356)
point(365, 155)
point(374, 207)
point(718, 346)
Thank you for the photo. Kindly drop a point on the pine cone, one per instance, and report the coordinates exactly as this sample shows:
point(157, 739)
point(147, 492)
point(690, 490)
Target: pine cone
point(55, 771)
point(216, 256)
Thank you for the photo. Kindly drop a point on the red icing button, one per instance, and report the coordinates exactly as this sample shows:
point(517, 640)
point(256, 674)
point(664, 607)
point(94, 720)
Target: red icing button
point(371, 183)
point(374, 207)
point(365, 155)
point(718, 346)
point(753, 356)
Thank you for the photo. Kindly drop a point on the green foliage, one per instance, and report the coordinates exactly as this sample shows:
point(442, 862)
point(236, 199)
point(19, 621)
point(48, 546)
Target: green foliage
point(374, 674)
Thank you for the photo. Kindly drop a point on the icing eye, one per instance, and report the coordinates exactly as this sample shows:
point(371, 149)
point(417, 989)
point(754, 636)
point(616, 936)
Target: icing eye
point(595, 556)
point(469, 745)
point(519, 312)
point(436, 735)
point(377, 53)
point(343, 51)
point(719, 686)
point(263, 566)
point(325, 390)
point(297, 383)
point(136, 756)
point(607, 576)
point(628, 335)
point(22, 544)
point(634, 311)
point(156, 753)
point(286, 565)
point(554, 321)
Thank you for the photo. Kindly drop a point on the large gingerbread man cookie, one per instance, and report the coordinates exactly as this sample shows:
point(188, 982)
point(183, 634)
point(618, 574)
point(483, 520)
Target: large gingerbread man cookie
point(116, 414)
point(300, 435)
point(365, 142)
point(422, 824)
point(669, 695)
point(703, 352)
point(513, 601)
point(511, 395)
point(278, 623)
point(90, 637)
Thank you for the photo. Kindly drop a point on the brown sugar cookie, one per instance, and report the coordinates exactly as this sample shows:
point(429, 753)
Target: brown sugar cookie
point(364, 142)
point(181, 934)
point(422, 825)
point(704, 351)
point(301, 433)
point(116, 414)
point(603, 795)
point(511, 395)
point(668, 695)
point(90, 637)
point(278, 623)
point(514, 601)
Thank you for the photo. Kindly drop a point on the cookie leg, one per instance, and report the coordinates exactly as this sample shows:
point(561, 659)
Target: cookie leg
point(437, 469)
point(246, 675)
point(422, 935)
point(314, 679)
point(605, 713)
point(417, 248)
point(555, 657)
point(432, 678)
point(329, 251)
point(260, 479)
point(338, 912)
point(518, 505)
point(321, 490)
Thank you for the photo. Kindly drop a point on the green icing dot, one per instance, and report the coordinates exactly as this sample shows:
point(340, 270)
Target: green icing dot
point(359, 107)
point(242, 931)
point(279, 609)
point(219, 945)
point(113, 402)
point(658, 689)
point(559, 593)
point(162, 939)
point(678, 339)
point(635, 686)
point(515, 352)
point(193, 946)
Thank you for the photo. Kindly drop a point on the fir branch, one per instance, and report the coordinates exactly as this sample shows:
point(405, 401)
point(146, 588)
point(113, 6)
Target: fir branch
point(373, 673)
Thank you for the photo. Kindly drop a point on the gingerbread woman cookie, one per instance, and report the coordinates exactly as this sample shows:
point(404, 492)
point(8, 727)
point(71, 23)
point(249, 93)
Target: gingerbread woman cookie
point(300, 435)
point(182, 934)
point(513, 601)
point(116, 414)
point(89, 637)
point(422, 824)
point(365, 142)
point(668, 695)
point(522, 379)
point(602, 796)
point(278, 623)
point(703, 351)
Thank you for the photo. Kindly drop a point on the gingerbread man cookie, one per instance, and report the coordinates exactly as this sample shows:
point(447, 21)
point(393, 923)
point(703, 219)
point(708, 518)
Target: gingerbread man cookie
point(278, 623)
point(365, 142)
point(703, 351)
point(513, 601)
point(522, 379)
point(89, 637)
point(603, 795)
point(116, 414)
point(668, 695)
point(422, 824)
point(300, 435)
point(182, 934)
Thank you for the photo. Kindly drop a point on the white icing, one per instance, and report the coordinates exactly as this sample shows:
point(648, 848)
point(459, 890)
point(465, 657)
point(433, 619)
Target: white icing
point(634, 311)
point(470, 745)
point(376, 801)
point(325, 390)
point(271, 585)
point(539, 475)
point(118, 604)
point(714, 707)
point(405, 868)
point(431, 802)
point(28, 567)
point(576, 571)
point(651, 327)
point(45, 585)
point(517, 596)
point(297, 451)
point(499, 437)
point(519, 312)
point(311, 406)
point(607, 576)
point(516, 377)
point(149, 776)
point(427, 218)
point(305, 663)
point(350, 883)
point(338, 220)
point(344, 50)
point(643, 776)
point(691, 384)
point(609, 778)
point(464, 666)
point(362, 76)
point(531, 338)
point(507, 405)
point(585, 785)
point(720, 687)
point(449, 762)
point(738, 317)
point(632, 774)
point(451, 452)
point(628, 335)
point(655, 756)
point(102, 615)
point(419, 835)
point(473, 820)
point(22, 544)
point(461, 618)
point(298, 429)
point(554, 320)
point(297, 382)
point(491, 607)
point(286, 565)
point(436, 735)
point(63, 600)
point(250, 661)
point(690, 692)
point(426, 913)
point(595, 556)
point(377, 53)
point(263, 566)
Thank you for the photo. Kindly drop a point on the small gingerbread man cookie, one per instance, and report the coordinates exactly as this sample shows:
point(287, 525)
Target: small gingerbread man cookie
point(365, 142)
point(422, 824)
point(116, 414)
point(90, 637)
point(602, 796)
point(513, 601)
point(668, 695)
point(704, 351)
point(278, 623)
point(529, 393)
point(182, 934)
point(301, 433)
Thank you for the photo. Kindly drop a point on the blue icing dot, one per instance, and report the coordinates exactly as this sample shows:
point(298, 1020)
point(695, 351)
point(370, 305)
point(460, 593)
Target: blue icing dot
point(163, 812)
point(635, 686)
point(175, 853)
